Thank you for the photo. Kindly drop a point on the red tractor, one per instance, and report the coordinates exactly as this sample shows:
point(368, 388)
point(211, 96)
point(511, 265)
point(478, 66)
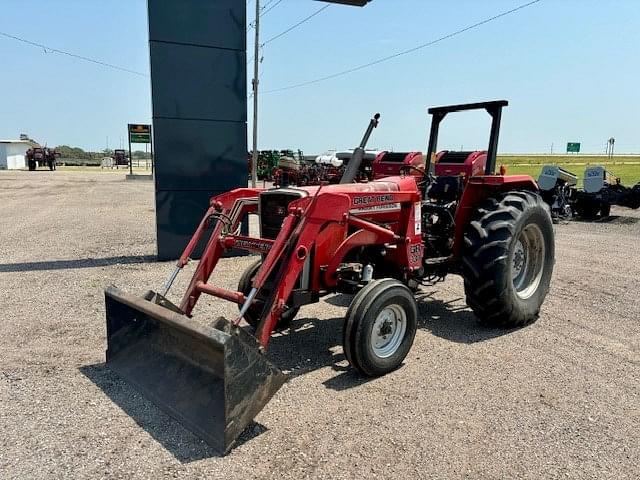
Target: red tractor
point(387, 164)
point(51, 158)
point(380, 241)
point(39, 157)
point(35, 158)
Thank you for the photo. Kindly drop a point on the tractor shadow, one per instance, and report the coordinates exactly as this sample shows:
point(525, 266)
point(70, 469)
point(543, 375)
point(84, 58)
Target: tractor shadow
point(311, 344)
point(185, 446)
point(453, 320)
point(76, 263)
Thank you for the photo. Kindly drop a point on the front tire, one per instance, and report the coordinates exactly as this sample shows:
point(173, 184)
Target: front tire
point(379, 327)
point(508, 259)
point(252, 316)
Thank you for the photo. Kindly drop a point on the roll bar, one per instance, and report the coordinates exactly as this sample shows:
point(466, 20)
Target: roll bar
point(493, 108)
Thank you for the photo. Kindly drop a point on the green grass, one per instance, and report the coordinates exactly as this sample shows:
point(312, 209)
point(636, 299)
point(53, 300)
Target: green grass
point(627, 168)
point(566, 159)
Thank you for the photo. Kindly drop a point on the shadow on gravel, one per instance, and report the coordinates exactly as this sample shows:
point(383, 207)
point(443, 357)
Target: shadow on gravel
point(453, 321)
point(181, 443)
point(77, 263)
point(340, 300)
point(311, 344)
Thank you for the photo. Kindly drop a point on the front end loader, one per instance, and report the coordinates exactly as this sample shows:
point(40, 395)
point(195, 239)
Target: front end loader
point(380, 241)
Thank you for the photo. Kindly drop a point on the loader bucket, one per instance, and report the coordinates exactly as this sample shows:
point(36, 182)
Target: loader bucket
point(213, 380)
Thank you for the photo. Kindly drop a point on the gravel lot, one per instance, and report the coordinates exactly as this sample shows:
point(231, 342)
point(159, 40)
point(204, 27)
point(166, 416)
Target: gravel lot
point(558, 399)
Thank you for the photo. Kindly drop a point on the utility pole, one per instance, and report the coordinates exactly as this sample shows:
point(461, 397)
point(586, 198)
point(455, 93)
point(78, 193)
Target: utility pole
point(256, 62)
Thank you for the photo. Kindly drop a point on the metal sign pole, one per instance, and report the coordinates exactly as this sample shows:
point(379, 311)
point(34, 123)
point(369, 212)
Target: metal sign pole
point(130, 156)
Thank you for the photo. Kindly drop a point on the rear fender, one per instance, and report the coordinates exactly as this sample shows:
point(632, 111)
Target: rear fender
point(477, 190)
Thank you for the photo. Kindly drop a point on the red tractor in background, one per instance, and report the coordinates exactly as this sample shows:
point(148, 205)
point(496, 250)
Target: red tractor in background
point(381, 241)
point(51, 158)
point(388, 164)
point(40, 157)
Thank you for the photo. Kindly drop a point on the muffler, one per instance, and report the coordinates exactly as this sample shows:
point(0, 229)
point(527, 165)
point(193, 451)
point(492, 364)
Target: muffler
point(214, 380)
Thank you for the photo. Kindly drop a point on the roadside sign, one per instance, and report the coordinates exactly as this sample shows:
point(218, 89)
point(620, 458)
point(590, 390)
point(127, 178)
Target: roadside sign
point(139, 133)
point(573, 147)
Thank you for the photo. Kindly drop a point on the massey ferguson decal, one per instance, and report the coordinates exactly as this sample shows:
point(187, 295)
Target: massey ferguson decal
point(253, 245)
point(389, 207)
point(365, 201)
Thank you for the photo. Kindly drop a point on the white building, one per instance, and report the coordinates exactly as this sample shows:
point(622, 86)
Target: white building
point(12, 154)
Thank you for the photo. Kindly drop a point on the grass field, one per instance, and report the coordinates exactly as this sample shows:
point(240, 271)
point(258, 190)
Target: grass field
point(97, 169)
point(627, 167)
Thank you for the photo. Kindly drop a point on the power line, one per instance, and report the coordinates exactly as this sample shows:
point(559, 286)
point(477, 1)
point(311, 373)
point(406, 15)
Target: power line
point(267, 10)
point(263, 11)
point(292, 27)
point(79, 57)
point(404, 52)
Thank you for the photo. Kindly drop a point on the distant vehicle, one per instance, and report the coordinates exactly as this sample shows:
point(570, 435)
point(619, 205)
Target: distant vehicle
point(40, 157)
point(120, 158)
point(106, 162)
point(601, 190)
point(50, 158)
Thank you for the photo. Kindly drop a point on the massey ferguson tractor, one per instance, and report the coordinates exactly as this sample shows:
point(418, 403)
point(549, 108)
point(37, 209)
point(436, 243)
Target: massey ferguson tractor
point(380, 241)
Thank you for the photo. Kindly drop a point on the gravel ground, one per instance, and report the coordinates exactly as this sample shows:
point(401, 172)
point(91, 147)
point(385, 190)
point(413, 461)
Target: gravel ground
point(558, 399)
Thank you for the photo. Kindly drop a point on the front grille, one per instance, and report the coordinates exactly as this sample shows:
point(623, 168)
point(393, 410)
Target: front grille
point(274, 205)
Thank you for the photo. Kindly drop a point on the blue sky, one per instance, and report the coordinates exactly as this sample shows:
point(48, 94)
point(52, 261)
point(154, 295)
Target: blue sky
point(570, 69)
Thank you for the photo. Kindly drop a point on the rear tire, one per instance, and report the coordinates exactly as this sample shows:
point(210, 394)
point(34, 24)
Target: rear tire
point(508, 259)
point(605, 210)
point(379, 327)
point(587, 209)
point(253, 313)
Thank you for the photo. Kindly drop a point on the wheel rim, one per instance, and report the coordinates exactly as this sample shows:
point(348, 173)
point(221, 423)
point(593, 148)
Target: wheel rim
point(388, 331)
point(527, 261)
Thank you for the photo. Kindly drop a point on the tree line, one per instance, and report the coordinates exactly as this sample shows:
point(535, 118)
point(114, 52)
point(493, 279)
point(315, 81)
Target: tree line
point(78, 153)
